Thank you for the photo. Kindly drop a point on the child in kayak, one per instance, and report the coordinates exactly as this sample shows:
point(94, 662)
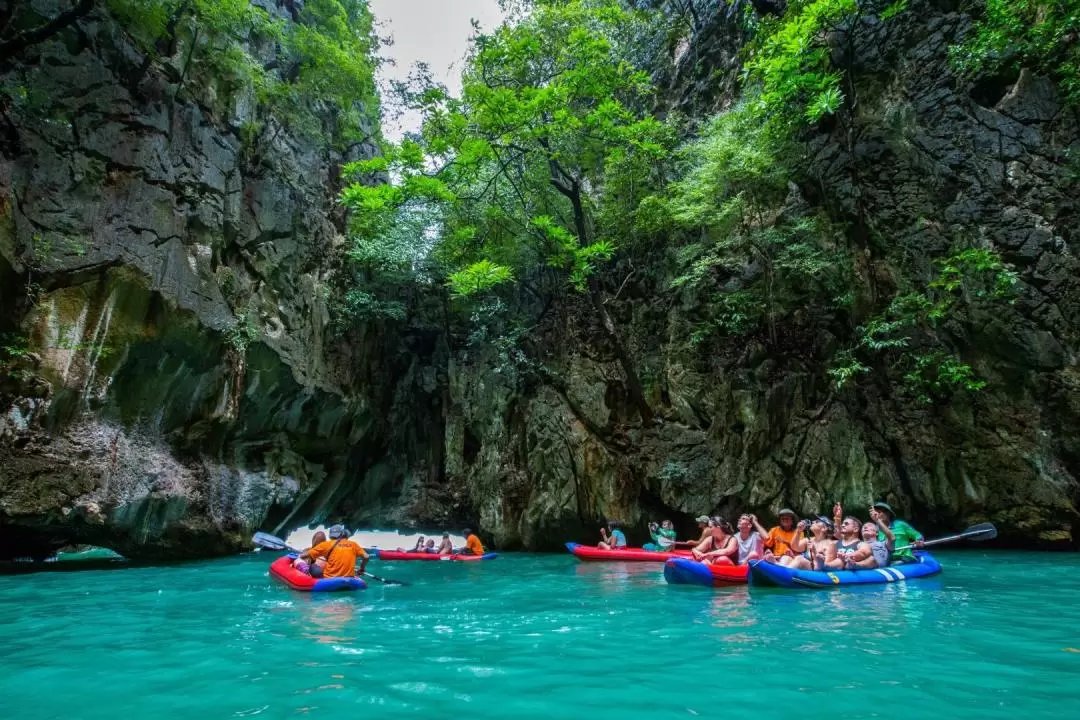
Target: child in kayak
point(615, 540)
point(663, 537)
point(314, 569)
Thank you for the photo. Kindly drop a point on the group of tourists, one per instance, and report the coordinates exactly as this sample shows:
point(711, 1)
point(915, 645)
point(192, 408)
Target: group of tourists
point(842, 543)
point(331, 558)
point(473, 546)
point(337, 556)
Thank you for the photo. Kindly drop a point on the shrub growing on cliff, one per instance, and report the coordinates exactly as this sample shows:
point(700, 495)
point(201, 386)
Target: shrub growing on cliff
point(1040, 34)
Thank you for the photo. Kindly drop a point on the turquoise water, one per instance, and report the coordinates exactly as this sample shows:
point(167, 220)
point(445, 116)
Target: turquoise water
point(529, 636)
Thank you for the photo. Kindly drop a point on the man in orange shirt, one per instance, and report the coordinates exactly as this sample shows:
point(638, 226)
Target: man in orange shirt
point(778, 540)
point(473, 546)
point(340, 553)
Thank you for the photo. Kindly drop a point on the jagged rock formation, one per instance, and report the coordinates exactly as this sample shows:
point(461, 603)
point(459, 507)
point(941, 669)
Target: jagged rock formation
point(143, 243)
point(755, 424)
point(177, 386)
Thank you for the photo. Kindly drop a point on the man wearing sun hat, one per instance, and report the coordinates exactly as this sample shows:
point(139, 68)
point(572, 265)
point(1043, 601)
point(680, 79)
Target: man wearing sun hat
point(777, 540)
point(903, 533)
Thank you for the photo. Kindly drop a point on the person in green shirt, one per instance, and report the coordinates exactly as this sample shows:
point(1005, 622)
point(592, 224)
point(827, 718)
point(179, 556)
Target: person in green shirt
point(903, 534)
point(663, 537)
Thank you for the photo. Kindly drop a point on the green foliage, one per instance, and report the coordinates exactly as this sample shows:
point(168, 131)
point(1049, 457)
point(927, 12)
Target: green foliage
point(906, 333)
point(478, 277)
point(243, 332)
point(325, 62)
point(537, 167)
point(791, 61)
point(734, 177)
point(1040, 34)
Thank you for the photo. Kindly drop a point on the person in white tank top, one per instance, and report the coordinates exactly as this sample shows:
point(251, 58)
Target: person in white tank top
point(750, 545)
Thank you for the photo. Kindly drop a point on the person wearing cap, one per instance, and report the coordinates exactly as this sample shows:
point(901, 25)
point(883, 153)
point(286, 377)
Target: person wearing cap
point(473, 546)
point(778, 540)
point(446, 547)
point(706, 531)
point(817, 551)
point(903, 534)
point(340, 552)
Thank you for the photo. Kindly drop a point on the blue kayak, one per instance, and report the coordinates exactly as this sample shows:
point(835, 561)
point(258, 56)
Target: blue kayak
point(765, 574)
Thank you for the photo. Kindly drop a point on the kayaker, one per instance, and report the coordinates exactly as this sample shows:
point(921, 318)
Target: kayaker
point(314, 569)
point(903, 534)
point(750, 544)
point(879, 550)
point(615, 540)
point(340, 552)
point(777, 540)
point(720, 548)
point(429, 547)
point(850, 548)
point(815, 552)
point(473, 546)
point(446, 547)
point(704, 526)
point(419, 546)
point(663, 536)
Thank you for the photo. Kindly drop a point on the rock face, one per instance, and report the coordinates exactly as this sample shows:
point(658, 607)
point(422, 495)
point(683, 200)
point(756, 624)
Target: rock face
point(170, 383)
point(755, 424)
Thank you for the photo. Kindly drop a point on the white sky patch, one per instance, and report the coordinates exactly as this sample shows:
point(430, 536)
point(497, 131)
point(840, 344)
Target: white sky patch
point(436, 32)
point(385, 539)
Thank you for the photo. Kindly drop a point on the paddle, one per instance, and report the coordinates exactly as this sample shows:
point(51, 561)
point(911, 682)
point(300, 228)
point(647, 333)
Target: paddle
point(977, 533)
point(275, 543)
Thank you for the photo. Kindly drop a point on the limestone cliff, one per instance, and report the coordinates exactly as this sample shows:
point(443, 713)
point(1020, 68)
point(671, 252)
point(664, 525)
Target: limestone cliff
point(170, 380)
point(756, 424)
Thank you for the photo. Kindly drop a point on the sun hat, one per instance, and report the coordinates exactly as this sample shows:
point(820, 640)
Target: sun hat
point(786, 511)
point(886, 507)
point(825, 521)
point(701, 519)
point(337, 531)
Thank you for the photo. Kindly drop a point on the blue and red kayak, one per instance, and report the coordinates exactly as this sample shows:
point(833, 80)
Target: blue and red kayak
point(282, 569)
point(765, 574)
point(685, 571)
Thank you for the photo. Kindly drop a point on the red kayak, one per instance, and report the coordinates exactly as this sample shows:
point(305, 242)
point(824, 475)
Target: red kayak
point(589, 552)
point(399, 555)
point(282, 569)
point(684, 571)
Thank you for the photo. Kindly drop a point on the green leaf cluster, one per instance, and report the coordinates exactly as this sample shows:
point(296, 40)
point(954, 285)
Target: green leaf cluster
point(906, 333)
point(1039, 34)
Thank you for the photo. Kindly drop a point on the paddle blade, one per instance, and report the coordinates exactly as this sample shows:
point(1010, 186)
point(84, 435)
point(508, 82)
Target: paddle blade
point(385, 581)
point(978, 533)
point(269, 541)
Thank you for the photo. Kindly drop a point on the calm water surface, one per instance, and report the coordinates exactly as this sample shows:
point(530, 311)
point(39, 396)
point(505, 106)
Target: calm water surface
point(528, 636)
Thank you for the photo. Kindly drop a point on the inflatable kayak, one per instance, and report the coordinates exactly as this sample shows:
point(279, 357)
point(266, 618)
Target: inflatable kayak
point(763, 574)
point(282, 569)
point(399, 555)
point(683, 571)
point(590, 552)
